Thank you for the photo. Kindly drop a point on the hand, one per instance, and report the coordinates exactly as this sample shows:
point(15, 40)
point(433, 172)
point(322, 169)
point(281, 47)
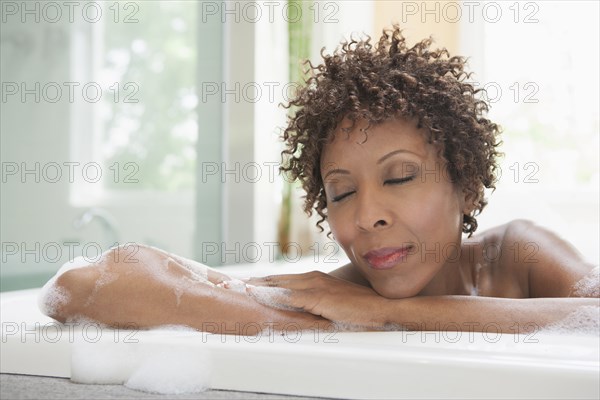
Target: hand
point(321, 294)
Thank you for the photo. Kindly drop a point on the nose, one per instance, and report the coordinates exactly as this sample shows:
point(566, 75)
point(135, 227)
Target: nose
point(372, 212)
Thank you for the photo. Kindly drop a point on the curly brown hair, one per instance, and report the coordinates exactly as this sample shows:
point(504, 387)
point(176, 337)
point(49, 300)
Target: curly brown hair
point(385, 81)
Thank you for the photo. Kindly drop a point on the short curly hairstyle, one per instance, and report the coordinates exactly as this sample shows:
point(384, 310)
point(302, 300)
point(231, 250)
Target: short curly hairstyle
point(381, 82)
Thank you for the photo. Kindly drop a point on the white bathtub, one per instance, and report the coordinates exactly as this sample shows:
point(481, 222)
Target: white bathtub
point(342, 365)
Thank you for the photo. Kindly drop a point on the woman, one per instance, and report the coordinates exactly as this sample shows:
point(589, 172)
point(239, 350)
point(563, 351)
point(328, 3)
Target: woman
point(394, 152)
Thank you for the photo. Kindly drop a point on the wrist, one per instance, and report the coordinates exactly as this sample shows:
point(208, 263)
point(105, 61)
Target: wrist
point(387, 314)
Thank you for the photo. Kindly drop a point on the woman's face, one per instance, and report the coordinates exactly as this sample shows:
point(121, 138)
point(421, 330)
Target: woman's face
point(391, 205)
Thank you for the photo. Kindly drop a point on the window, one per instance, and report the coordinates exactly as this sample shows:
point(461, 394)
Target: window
point(143, 128)
point(539, 64)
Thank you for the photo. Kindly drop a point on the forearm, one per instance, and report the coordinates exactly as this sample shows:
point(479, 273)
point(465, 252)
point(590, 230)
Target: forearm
point(208, 309)
point(153, 291)
point(453, 313)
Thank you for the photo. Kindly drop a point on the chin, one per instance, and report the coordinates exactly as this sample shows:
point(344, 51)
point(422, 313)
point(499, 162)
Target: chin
point(391, 291)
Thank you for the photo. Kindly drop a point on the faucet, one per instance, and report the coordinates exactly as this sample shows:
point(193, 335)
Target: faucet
point(107, 221)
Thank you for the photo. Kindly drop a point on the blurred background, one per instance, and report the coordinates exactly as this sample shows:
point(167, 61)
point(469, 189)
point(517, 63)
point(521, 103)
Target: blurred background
point(158, 121)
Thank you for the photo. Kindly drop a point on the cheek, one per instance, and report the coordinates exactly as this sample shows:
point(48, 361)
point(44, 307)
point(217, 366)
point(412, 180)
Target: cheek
point(342, 230)
point(440, 216)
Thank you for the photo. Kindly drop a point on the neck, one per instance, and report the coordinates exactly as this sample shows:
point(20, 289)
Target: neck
point(454, 278)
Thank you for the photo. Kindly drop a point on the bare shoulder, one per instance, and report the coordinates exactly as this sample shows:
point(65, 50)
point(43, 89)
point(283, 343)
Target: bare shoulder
point(521, 259)
point(546, 264)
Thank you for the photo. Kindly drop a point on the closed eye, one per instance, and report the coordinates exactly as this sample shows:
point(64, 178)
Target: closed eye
point(341, 196)
point(399, 181)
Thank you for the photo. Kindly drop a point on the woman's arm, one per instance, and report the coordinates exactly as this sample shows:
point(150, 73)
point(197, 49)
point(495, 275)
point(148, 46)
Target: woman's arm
point(550, 269)
point(347, 303)
point(151, 289)
point(485, 314)
point(349, 273)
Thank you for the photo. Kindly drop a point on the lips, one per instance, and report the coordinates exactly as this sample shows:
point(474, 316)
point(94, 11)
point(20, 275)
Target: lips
point(388, 257)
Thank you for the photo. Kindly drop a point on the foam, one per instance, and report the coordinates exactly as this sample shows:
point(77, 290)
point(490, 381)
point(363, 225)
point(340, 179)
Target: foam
point(268, 296)
point(475, 286)
point(347, 327)
point(181, 284)
point(170, 371)
point(51, 297)
point(588, 286)
point(170, 329)
point(197, 270)
point(78, 320)
point(105, 278)
point(157, 263)
point(147, 364)
point(584, 320)
point(233, 284)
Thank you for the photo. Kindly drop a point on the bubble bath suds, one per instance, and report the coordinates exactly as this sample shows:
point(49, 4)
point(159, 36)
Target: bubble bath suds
point(157, 367)
point(268, 296)
point(52, 297)
point(158, 263)
point(588, 286)
point(198, 271)
point(145, 363)
point(584, 321)
point(233, 284)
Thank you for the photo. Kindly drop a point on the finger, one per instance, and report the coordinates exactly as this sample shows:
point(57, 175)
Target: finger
point(197, 268)
point(290, 281)
point(233, 284)
point(257, 281)
point(278, 298)
point(180, 271)
point(270, 280)
point(216, 277)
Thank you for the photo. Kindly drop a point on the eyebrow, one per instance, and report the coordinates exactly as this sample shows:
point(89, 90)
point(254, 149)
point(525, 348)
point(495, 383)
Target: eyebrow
point(382, 159)
point(393, 153)
point(336, 171)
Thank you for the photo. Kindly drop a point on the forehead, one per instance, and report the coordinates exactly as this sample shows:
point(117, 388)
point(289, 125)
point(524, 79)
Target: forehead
point(351, 145)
